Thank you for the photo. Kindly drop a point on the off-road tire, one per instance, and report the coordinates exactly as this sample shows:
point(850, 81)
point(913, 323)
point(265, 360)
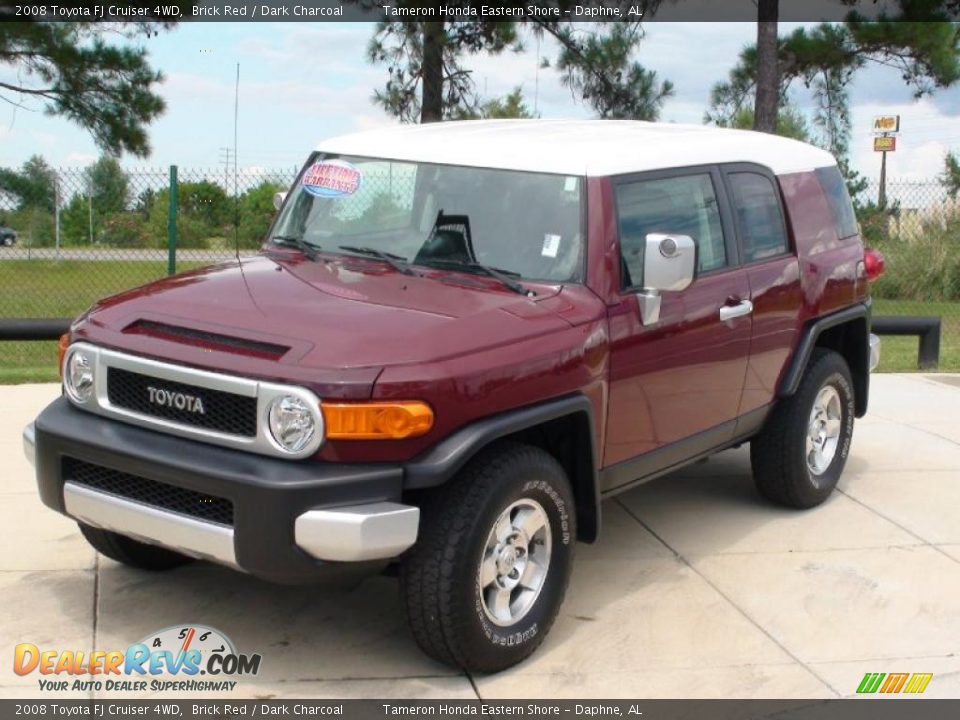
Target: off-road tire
point(131, 552)
point(439, 576)
point(778, 453)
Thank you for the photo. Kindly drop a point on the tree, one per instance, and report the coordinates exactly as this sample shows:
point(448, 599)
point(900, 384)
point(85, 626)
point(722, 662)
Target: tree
point(513, 105)
point(918, 41)
point(790, 122)
point(950, 179)
point(427, 81)
point(598, 66)
point(33, 185)
point(70, 70)
point(108, 186)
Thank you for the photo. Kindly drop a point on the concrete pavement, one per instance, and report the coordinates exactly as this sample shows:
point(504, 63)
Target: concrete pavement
point(697, 588)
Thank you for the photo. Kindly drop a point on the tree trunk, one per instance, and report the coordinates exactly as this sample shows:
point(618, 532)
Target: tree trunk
point(431, 72)
point(768, 75)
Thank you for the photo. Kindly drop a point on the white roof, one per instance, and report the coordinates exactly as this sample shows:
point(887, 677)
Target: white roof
point(579, 147)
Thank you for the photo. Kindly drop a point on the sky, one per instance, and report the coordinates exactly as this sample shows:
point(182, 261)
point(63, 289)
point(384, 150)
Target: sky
point(303, 82)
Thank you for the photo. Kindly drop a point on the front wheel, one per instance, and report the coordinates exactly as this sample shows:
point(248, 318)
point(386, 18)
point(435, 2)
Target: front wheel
point(798, 456)
point(487, 576)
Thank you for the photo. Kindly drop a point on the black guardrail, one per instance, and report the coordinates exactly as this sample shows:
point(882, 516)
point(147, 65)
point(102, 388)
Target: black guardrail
point(926, 327)
point(33, 328)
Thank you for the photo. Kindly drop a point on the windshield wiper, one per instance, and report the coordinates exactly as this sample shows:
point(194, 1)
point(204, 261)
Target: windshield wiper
point(398, 262)
point(302, 245)
point(505, 277)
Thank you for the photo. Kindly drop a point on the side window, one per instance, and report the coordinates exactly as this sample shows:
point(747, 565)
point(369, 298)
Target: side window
point(685, 205)
point(836, 191)
point(757, 205)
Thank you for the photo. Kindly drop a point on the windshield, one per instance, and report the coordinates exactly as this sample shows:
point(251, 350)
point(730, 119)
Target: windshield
point(528, 224)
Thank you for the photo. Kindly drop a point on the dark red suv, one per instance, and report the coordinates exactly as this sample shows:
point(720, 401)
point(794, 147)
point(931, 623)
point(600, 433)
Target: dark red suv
point(456, 341)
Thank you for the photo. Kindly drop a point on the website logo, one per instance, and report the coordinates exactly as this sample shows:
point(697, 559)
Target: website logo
point(909, 683)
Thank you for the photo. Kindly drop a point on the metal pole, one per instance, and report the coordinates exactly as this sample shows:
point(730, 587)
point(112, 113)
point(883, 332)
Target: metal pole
point(172, 224)
point(882, 200)
point(90, 211)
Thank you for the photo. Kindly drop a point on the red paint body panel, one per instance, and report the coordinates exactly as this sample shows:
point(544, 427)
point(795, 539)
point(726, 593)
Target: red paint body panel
point(357, 329)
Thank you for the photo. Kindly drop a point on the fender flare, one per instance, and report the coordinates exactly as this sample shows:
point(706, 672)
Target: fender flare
point(808, 341)
point(440, 463)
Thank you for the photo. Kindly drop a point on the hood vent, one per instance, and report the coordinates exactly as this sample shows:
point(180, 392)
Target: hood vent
point(208, 340)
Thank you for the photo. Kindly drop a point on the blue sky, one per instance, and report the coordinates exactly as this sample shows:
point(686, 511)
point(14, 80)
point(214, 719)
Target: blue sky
point(302, 82)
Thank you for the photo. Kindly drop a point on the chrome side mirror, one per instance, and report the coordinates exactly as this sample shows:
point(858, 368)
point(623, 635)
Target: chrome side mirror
point(669, 264)
point(278, 199)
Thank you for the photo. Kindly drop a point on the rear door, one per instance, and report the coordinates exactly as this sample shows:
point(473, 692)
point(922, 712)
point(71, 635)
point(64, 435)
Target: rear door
point(773, 273)
point(681, 378)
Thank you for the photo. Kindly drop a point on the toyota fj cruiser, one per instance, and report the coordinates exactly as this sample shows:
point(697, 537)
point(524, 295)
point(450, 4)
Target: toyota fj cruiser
point(457, 340)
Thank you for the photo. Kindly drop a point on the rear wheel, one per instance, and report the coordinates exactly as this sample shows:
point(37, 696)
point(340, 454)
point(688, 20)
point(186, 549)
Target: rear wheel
point(132, 552)
point(799, 455)
point(487, 576)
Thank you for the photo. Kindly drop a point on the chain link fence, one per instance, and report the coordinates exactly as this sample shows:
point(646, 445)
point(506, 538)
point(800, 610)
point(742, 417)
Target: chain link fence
point(87, 233)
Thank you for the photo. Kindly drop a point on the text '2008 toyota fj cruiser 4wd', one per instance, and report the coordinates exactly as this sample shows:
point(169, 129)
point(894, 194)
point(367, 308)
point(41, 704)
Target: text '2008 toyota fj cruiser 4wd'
point(456, 341)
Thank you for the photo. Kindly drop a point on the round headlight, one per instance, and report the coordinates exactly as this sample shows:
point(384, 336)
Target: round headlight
point(292, 423)
point(78, 377)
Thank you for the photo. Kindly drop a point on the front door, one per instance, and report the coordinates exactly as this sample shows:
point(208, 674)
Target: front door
point(680, 378)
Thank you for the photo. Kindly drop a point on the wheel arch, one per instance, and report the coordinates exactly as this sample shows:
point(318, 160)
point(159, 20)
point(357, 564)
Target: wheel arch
point(847, 332)
point(563, 427)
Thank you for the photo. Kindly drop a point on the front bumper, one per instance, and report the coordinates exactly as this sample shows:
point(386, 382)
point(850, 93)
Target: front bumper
point(292, 521)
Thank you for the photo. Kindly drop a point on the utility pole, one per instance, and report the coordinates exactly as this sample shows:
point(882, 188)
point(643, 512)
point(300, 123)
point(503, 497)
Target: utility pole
point(225, 159)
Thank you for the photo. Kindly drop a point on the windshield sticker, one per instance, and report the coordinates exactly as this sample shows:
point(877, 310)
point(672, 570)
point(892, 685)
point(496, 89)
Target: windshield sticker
point(551, 244)
point(332, 179)
point(570, 184)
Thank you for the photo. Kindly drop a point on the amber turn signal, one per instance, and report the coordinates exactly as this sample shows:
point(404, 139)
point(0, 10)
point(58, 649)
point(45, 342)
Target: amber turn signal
point(377, 420)
point(62, 346)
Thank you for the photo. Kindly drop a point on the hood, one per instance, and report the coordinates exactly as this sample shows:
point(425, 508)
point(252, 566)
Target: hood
point(338, 313)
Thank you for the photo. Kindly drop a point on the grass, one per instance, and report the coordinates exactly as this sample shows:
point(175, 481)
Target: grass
point(65, 288)
point(49, 288)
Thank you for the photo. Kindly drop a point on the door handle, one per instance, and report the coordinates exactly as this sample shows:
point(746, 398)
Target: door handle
point(729, 312)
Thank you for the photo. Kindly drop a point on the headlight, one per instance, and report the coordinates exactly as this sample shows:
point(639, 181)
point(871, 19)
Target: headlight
point(292, 423)
point(78, 376)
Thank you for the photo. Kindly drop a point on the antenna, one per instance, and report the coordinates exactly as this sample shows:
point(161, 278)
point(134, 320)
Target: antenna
point(236, 183)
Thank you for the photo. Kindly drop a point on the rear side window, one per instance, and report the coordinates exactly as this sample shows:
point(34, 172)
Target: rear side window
point(839, 199)
point(759, 218)
point(684, 205)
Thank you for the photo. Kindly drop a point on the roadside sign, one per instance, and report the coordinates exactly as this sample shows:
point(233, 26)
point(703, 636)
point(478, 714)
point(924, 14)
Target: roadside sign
point(884, 143)
point(886, 124)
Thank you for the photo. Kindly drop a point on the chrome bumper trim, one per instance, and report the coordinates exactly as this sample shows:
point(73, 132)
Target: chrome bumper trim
point(874, 351)
point(30, 443)
point(360, 532)
point(150, 525)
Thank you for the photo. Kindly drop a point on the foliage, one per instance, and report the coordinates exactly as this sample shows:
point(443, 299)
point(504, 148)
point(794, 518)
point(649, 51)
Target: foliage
point(791, 122)
point(33, 185)
point(825, 58)
point(950, 179)
point(512, 106)
point(426, 78)
point(256, 213)
point(71, 70)
point(924, 268)
point(124, 230)
point(203, 211)
point(599, 68)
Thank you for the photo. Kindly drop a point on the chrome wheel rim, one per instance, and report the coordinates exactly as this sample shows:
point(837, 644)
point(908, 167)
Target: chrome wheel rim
point(514, 563)
point(823, 430)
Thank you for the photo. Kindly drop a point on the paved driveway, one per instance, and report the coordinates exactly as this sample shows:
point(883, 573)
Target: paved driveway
point(696, 589)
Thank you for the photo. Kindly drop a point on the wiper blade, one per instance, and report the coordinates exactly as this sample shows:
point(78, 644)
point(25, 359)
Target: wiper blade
point(398, 262)
point(302, 245)
point(505, 277)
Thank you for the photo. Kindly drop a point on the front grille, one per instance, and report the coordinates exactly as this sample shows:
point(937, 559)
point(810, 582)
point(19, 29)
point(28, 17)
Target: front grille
point(149, 492)
point(222, 411)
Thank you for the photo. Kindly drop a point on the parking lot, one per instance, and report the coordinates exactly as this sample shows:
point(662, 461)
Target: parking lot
point(697, 588)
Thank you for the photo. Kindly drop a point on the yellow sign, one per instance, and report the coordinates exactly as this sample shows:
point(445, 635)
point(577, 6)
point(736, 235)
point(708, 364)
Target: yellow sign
point(886, 124)
point(884, 143)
